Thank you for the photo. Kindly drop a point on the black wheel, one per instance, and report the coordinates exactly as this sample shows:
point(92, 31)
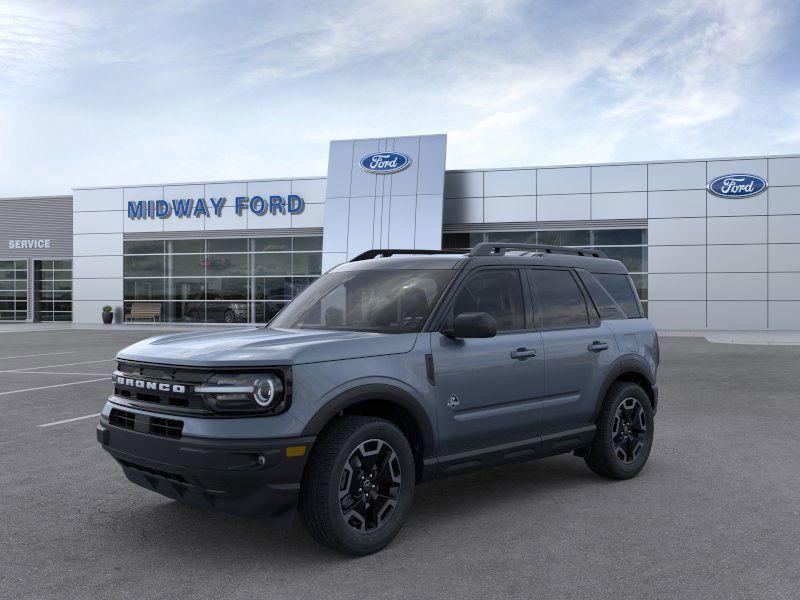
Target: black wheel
point(229, 317)
point(358, 485)
point(624, 433)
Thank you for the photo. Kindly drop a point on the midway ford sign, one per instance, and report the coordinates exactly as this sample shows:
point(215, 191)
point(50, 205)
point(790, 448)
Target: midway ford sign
point(384, 163)
point(187, 208)
point(737, 186)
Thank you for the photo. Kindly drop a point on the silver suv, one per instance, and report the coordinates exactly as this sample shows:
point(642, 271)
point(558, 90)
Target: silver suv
point(395, 368)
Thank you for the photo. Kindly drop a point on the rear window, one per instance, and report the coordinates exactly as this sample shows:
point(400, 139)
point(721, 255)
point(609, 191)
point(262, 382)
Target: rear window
point(605, 304)
point(620, 288)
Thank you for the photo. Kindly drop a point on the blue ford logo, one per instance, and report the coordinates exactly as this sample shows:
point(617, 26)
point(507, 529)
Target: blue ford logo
point(736, 186)
point(384, 163)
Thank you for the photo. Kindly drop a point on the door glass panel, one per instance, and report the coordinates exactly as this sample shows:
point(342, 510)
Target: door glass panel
point(560, 302)
point(496, 292)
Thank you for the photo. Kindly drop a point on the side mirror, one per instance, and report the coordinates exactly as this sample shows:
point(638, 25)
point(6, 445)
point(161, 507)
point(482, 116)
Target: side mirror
point(472, 325)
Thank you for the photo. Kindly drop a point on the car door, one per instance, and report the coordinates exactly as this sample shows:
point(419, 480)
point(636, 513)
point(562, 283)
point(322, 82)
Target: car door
point(578, 348)
point(487, 388)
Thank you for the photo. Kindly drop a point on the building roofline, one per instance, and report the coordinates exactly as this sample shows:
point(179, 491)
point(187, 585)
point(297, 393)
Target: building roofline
point(55, 197)
point(626, 163)
point(222, 181)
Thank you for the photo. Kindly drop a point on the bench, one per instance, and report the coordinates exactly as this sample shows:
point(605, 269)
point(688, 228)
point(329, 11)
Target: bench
point(144, 310)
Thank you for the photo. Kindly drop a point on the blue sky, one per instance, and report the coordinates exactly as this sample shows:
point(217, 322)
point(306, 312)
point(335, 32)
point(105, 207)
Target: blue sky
point(101, 93)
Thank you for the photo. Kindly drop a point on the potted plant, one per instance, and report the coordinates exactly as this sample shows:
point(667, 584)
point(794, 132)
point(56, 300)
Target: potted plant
point(108, 314)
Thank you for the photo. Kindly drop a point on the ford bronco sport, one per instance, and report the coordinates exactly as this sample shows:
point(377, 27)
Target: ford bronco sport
point(397, 367)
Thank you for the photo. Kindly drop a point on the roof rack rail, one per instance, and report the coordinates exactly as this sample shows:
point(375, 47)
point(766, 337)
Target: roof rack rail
point(491, 248)
point(369, 254)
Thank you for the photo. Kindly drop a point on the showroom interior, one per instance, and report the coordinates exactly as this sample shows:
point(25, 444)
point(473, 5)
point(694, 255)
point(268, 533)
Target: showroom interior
point(238, 251)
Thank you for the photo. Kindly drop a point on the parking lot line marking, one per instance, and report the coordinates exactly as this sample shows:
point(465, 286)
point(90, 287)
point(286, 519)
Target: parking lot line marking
point(35, 355)
point(86, 362)
point(69, 420)
point(61, 373)
point(47, 387)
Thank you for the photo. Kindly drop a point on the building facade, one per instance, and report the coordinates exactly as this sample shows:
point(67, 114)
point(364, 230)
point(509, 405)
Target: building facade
point(36, 259)
point(711, 244)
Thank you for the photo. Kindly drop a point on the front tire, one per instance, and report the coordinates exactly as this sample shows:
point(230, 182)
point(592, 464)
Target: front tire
point(358, 486)
point(624, 434)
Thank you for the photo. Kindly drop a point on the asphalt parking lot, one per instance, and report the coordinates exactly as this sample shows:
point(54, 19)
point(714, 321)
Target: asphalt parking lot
point(715, 514)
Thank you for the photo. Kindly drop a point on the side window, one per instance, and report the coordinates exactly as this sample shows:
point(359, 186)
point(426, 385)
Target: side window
point(621, 289)
point(561, 303)
point(606, 305)
point(497, 292)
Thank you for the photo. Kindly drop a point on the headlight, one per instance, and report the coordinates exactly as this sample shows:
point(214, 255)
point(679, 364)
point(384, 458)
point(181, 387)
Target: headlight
point(245, 392)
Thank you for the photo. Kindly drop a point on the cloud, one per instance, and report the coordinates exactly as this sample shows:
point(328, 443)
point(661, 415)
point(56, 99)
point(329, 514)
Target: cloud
point(101, 93)
point(34, 40)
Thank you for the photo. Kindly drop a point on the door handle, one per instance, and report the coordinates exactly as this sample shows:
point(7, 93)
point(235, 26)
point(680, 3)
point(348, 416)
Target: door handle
point(598, 346)
point(522, 353)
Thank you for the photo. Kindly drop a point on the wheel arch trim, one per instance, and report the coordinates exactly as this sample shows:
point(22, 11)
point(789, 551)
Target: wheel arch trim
point(376, 392)
point(633, 364)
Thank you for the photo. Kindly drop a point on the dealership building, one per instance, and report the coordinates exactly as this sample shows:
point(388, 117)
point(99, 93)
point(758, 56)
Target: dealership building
point(712, 244)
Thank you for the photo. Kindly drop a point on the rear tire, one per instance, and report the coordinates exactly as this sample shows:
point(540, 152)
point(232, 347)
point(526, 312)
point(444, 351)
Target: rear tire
point(357, 488)
point(624, 434)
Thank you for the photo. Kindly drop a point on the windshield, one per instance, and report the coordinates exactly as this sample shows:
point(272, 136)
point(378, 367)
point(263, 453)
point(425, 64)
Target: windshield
point(391, 301)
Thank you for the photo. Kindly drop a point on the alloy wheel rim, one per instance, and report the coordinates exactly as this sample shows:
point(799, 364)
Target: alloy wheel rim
point(629, 432)
point(369, 486)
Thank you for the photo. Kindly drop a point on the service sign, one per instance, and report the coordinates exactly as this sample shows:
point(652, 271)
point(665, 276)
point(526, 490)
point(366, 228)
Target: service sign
point(28, 244)
point(384, 163)
point(737, 186)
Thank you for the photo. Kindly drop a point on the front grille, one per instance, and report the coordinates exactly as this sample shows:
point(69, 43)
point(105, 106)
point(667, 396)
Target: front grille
point(166, 427)
point(168, 400)
point(171, 428)
point(122, 418)
point(158, 472)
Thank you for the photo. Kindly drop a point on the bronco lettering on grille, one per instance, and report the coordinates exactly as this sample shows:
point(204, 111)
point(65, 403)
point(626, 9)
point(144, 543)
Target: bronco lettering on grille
point(154, 386)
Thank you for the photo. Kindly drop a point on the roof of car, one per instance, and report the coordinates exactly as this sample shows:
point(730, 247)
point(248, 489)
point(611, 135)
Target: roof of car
point(480, 256)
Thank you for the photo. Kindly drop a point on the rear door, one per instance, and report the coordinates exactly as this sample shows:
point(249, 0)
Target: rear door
point(578, 348)
point(487, 389)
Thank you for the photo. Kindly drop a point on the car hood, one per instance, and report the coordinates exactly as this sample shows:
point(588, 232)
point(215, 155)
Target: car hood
point(264, 347)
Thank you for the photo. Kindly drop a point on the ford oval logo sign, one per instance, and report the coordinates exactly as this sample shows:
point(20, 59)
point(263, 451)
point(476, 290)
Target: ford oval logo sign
point(737, 186)
point(384, 163)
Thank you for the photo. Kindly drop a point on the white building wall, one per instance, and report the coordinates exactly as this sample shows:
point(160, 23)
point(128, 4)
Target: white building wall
point(100, 223)
point(714, 263)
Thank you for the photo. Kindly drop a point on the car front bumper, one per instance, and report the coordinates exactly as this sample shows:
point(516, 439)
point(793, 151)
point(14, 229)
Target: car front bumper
point(243, 477)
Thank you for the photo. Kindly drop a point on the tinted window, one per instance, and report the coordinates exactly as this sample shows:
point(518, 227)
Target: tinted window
point(561, 304)
point(606, 305)
point(496, 292)
point(620, 288)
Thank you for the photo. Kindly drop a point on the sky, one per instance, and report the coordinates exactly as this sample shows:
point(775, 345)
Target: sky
point(107, 93)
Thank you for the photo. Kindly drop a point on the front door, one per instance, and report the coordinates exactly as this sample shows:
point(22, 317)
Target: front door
point(487, 388)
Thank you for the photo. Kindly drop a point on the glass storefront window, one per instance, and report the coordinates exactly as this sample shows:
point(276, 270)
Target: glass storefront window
point(620, 237)
point(220, 280)
point(272, 264)
point(232, 245)
point(186, 246)
point(143, 266)
point(53, 290)
point(187, 265)
point(272, 245)
point(144, 247)
point(13, 290)
point(226, 264)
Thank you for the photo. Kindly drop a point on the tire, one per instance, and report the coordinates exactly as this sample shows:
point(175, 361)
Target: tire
point(345, 521)
point(624, 433)
point(229, 316)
